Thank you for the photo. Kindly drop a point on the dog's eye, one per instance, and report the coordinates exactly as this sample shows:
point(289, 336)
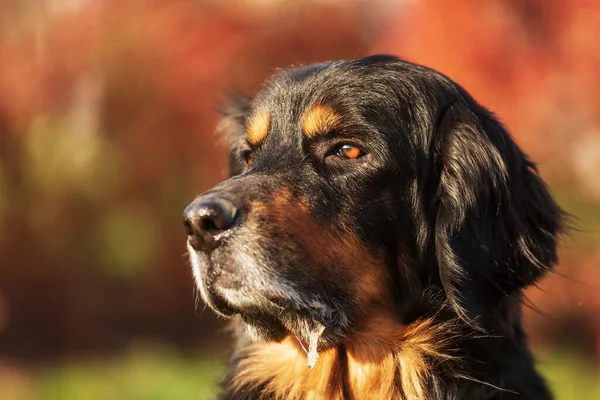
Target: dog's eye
point(248, 157)
point(349, 151)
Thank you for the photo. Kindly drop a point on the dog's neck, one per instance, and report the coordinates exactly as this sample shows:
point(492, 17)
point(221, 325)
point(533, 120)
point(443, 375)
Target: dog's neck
point(383, 359)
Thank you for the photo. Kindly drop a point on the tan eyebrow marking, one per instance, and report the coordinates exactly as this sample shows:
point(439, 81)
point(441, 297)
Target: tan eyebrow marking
point(319, 120)
point(258, 127)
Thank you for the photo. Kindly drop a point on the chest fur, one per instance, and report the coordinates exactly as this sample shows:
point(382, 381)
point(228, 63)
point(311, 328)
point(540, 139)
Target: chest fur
point(383, 360)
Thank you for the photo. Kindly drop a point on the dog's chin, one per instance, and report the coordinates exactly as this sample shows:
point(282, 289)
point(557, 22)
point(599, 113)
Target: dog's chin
point(270, 314)
point(271, 308)
point(229, 292)
point(275, 318)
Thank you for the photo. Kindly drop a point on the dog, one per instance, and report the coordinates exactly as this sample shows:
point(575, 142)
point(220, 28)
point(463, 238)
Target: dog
point(373, 239)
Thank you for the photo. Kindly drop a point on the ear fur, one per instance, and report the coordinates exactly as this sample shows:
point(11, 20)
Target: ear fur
point(496, 224)
point(232, 125)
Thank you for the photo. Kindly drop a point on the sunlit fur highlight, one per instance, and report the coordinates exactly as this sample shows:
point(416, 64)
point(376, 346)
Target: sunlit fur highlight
point(320, 119)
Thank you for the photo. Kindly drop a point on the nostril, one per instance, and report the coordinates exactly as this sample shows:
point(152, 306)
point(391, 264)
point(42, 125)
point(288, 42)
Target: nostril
point(208, 224)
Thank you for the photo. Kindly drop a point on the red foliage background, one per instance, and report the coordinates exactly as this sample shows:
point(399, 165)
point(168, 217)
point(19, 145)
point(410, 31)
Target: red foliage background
point(107, 114)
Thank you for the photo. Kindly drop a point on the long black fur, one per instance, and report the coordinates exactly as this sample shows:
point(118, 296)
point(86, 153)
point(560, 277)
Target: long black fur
point(459, 211)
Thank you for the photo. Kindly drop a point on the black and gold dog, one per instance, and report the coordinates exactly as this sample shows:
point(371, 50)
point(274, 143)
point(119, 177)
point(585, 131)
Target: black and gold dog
point(373, 240)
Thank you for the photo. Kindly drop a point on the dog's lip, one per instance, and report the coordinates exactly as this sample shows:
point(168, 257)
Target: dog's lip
point(267, 302)
point(219, 304)
point(278, 301)
point(217, 282)
point(213, 299)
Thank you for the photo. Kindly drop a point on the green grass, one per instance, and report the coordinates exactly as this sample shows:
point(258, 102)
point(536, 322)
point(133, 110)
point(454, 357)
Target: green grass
point(152, 374)
point(571, 376)
point(142, 374)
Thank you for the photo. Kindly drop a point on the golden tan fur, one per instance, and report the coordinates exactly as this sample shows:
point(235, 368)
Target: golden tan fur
point(384, 360)
point(258, 127)
point(319, 120)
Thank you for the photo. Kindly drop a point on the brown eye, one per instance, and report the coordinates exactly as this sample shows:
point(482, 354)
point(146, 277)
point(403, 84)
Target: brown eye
point(348, 151)
point(249, 157)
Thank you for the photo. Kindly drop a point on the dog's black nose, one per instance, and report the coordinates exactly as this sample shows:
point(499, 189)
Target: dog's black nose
point(207, 218)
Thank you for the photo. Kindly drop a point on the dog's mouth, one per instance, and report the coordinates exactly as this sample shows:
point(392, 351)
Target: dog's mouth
point(272, 310)
point(217, 302)
point(229, 293)
point(228, 296)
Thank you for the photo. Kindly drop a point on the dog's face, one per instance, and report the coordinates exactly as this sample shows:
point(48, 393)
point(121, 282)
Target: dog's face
point(363, 187)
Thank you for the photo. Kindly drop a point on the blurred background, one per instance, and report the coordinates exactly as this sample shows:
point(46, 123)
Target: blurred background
point(107, 117)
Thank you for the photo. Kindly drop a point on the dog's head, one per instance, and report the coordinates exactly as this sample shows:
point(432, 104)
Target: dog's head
point(360, 187)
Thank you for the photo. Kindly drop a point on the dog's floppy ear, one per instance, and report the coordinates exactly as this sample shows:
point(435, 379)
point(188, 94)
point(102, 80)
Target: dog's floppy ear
point(495, 223)
point(232, 126)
